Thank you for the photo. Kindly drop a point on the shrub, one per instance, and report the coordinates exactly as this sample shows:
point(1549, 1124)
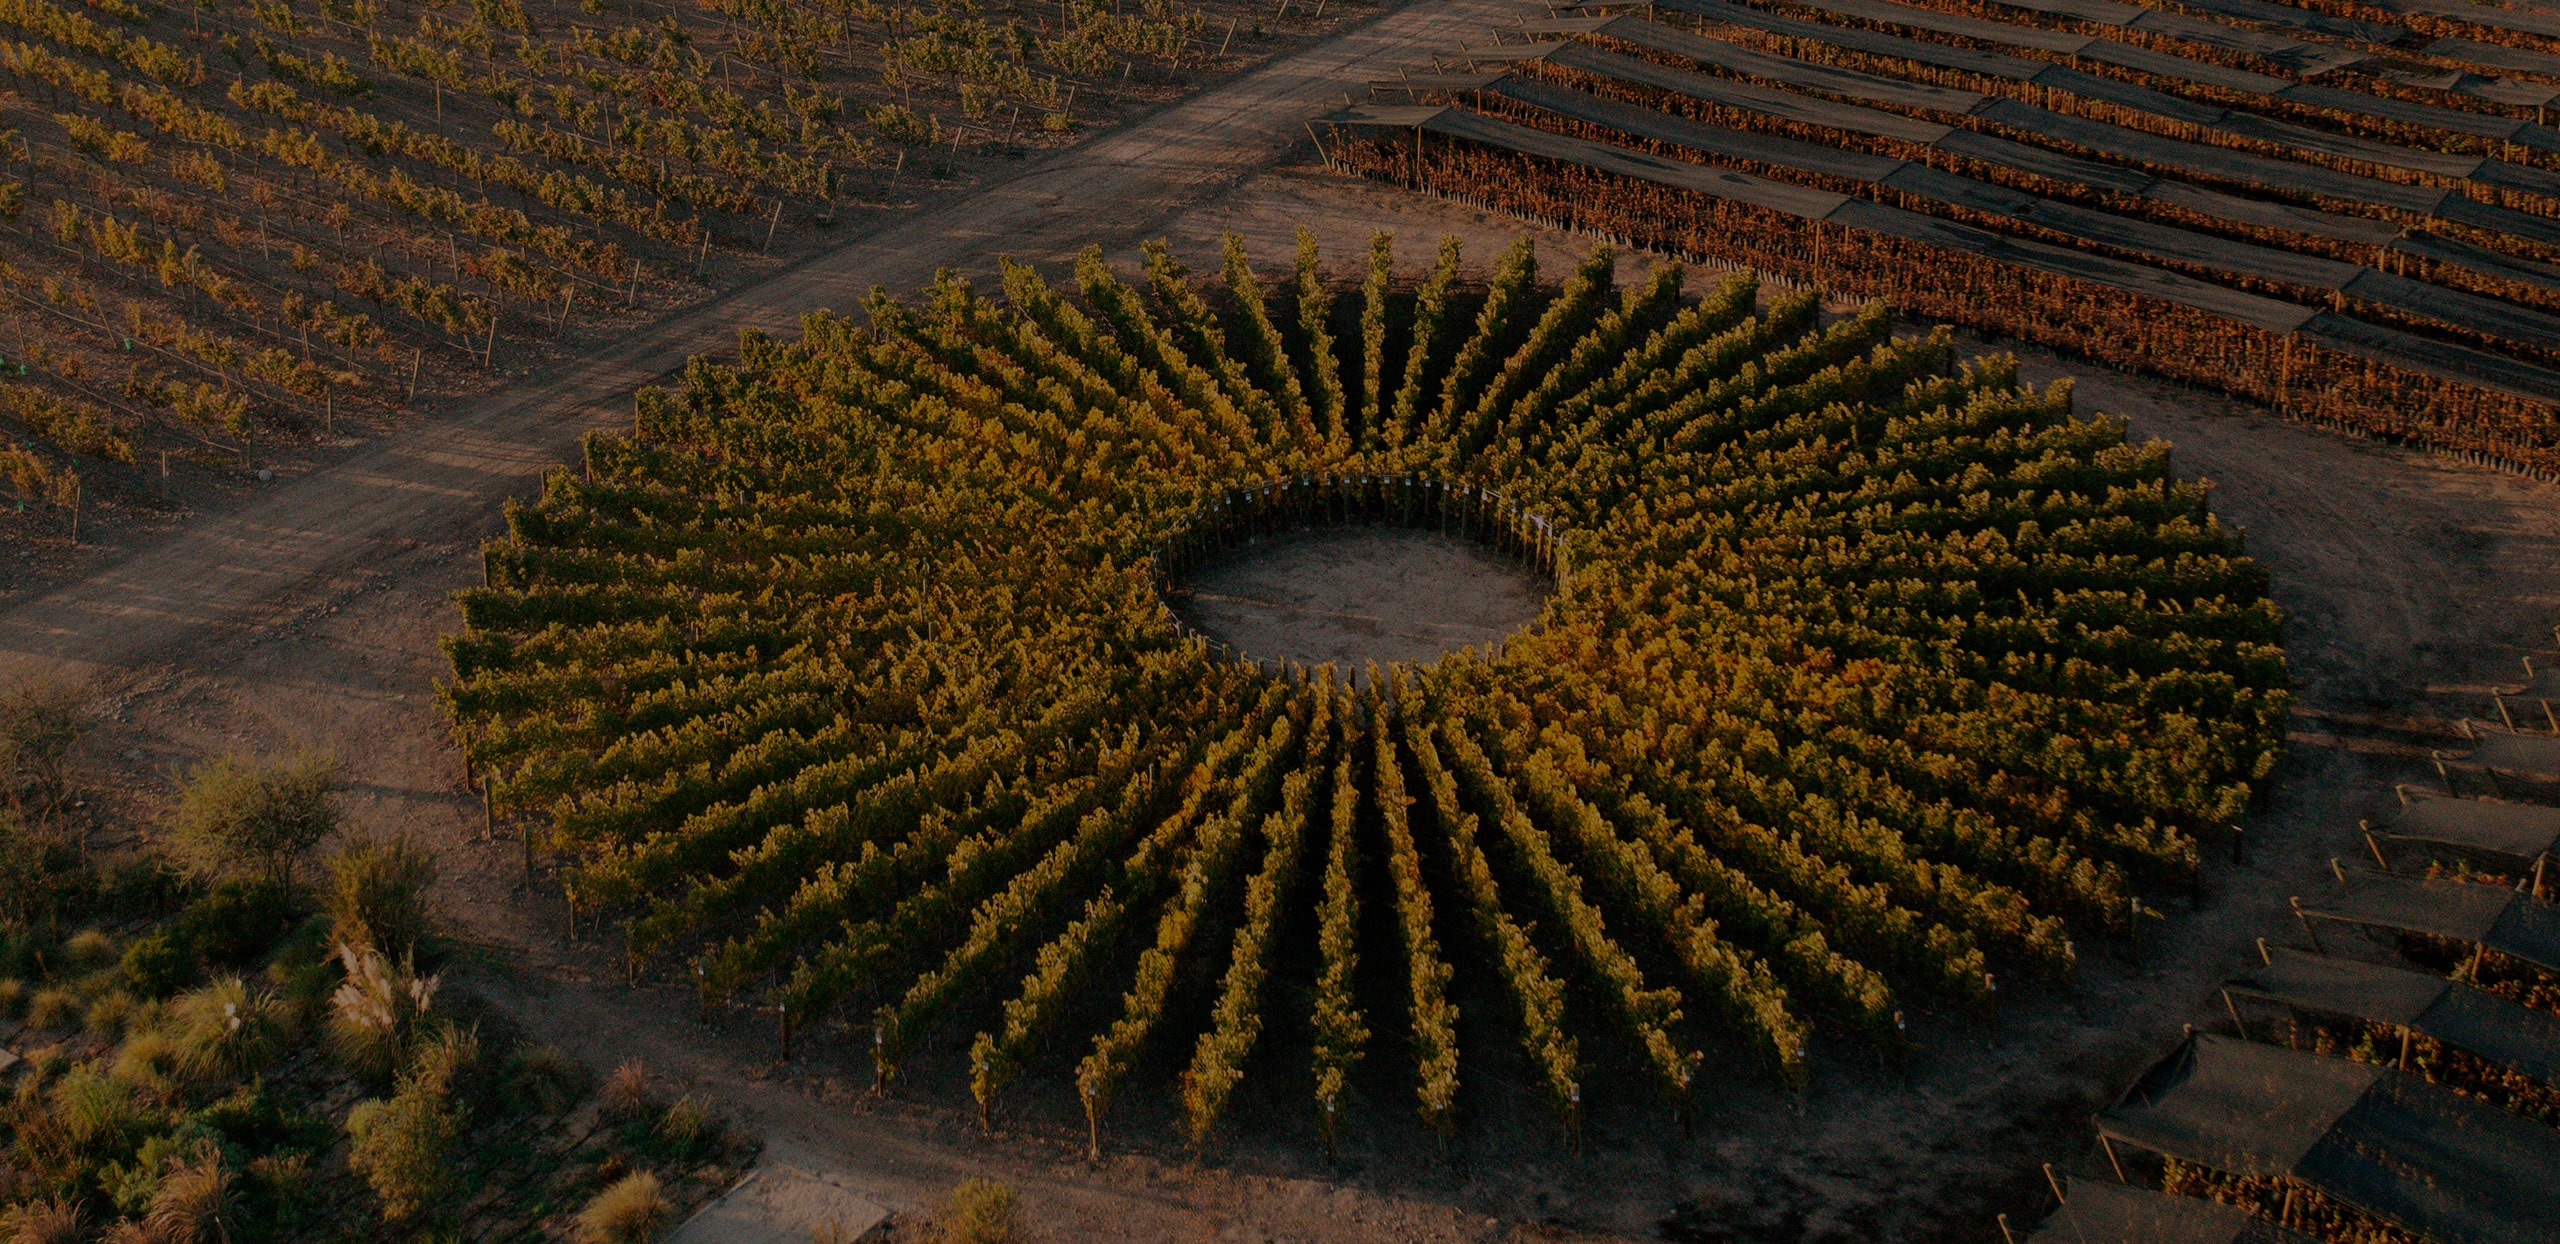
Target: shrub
point(155, 966)
point(629, 1211)
point(39, 724)
point(236, 814)
point(141, 885)
point(377, 1009)
point(28, 886)
point(545, 1078)
point(377, 894)
point(403, 1148)
point(981, 1211)
point(13, 996)
point(227, 1029)
point(237, 921)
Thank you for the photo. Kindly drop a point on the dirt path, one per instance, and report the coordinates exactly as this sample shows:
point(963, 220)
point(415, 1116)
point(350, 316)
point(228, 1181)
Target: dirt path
point(444, 478)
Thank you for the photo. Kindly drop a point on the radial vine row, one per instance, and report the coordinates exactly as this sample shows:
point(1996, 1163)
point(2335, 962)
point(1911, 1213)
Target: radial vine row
point(841, 680)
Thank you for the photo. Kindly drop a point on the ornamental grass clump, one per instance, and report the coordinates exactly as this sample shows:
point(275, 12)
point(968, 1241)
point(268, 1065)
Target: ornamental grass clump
point(377, 1011)
point(630, 1210)
point(228, 1029)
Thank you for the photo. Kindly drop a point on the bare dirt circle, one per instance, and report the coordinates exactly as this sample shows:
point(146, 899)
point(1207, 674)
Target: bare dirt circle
point(1352, 595)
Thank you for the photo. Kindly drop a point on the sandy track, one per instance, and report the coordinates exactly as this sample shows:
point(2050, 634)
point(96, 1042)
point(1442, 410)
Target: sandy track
point(444, 478)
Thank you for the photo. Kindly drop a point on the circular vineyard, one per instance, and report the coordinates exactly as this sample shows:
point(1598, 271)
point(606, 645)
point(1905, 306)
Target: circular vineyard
point(843, 681)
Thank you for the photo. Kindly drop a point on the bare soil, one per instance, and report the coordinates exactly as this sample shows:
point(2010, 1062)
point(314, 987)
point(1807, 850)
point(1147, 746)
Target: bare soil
point(2412, 583)
point(1353, 596)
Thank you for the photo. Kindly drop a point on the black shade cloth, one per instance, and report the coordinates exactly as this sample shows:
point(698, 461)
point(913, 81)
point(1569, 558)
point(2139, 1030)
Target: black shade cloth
point(2535, 754)
point(2503, 919)
point(2142, 98)
point(2107, 139)
point(2105, 1213)
point(2430, 357)
point(2451, 1169)
point(2144, 240)
point(2481, 259)
point(1830, 79)
point(2237, 1106)
point(2460, 1015)
point(2494, 826)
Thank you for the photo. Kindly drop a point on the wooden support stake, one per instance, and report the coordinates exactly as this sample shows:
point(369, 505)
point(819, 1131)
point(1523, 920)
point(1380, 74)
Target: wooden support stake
point(417, 354)
point(1231, 37)
point(490, 350)
point(772, 225)
point(2404, 1049)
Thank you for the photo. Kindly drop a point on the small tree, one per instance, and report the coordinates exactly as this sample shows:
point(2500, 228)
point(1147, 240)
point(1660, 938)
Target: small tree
point(40, 722)
point(238, 815)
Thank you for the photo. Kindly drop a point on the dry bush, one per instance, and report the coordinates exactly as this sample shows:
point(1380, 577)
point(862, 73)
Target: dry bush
point(238, 815)
point(150, 1062)
point(626, 1091)
point(109, 1015)
point(196, 1202)
point(545, 1078)
point(54, 1220)
point(981, 1211)
point(54, 1008)
point(40, 722)
point(88, 949)
point(377, 897)
point(631, 1210)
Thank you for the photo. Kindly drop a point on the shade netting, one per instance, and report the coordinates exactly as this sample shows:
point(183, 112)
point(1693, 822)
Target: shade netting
point(2141, 238)
point(2385, 1142)
point(2105, 1213)
point(2537, 755)
point(2460, 1015)
point(2492, 826)
point(2502, 918)
point(2422, 355)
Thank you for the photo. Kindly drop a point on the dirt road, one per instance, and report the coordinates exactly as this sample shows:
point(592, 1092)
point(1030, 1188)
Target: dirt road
point(445, 477)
